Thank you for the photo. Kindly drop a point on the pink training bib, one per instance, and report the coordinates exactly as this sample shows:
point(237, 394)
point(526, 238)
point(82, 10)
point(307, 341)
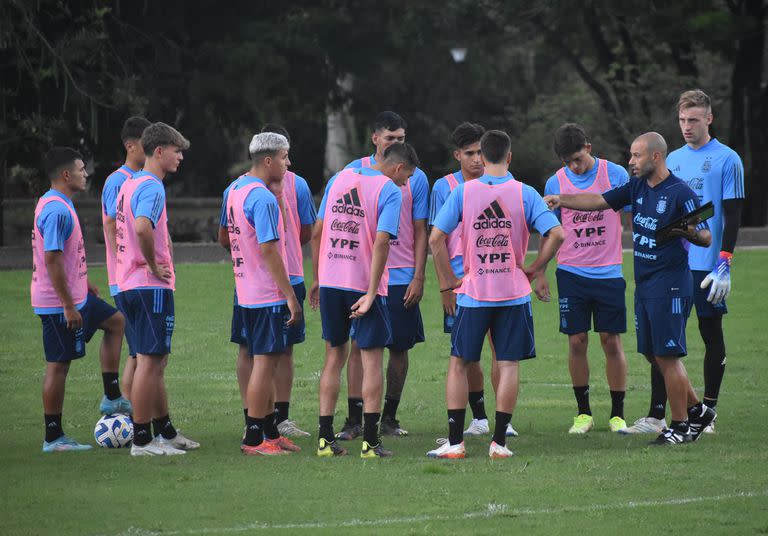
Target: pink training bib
point(294, 257)
point(75, 267)
point(111, 255)
point(349, 232)
point(495, 239)
point(132, 269)
point(254, 283)
point(592, 238)
point(453, 242)
point(401, 254)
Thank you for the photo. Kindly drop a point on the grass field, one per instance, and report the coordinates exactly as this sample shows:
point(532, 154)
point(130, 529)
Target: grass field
point(556, 484)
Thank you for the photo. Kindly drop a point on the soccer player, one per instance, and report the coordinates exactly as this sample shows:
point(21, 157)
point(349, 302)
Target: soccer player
point(590, 284)
point(466, 141)
point(715, 173)
point(298, 210)
point(663, 285)
point(146, 279)
point(267, 302)
point(405, 266)
point(68, 305)
point(358, 217)
point(134, 161)
point(495, 212)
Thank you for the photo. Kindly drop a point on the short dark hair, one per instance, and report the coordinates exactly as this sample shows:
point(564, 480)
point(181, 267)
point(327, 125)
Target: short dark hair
point(388, 120)
point(495, 146)
point(133, 128)
point(569, 138)
point(402, 152)
point(57, 159)
point(277, 129)
point(159, 135)
point(467, 134)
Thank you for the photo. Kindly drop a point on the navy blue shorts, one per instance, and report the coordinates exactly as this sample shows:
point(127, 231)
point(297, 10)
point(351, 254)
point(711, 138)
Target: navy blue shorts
point(660, 325)
point(705, 309)
point(120, 304)
point(371, 331)
point(511, 330)
point(407, 326)
point(584, 298)
point(265, 329)
point(150, 314)
point(296, 332)
point(62, 345)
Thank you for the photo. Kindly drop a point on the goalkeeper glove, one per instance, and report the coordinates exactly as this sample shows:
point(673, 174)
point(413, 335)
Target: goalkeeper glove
point(720, 279)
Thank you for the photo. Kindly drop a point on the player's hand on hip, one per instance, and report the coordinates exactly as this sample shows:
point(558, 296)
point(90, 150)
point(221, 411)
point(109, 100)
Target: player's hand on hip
point(719, 281)
point(413, 293)
point(552, 201)
point(314, 296)
point(296, 313)
point(362, 306)
point(73, 318)
point(163, 272)
point(93, 289)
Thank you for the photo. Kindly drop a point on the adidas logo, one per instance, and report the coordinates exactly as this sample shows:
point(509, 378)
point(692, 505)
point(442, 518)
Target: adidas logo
point(493, 217)
point(349, 204)
point(639, 200)
point(671, 344)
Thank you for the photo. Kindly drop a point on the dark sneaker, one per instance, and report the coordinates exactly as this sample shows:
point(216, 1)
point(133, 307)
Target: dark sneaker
point(391, 427)
point(672, 436)
point(700, 422)
point(350, 431)
point(374, 451)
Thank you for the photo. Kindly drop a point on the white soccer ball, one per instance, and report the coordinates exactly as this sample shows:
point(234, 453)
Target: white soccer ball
point(114, 431)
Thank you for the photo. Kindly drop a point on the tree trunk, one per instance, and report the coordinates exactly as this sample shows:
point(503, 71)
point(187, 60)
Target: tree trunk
point(339, 131)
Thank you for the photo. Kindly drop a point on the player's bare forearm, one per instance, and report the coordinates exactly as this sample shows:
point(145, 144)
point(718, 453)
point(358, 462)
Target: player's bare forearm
point(146, 238)
point(420, 247)
point(379, 261)
point(305, 234)
point(110, 230)
point(317, 237)
point(224, 238)
point(548, 247)
point(276, 267)
point(445, 275)
point(54, 264)
point(583, 201)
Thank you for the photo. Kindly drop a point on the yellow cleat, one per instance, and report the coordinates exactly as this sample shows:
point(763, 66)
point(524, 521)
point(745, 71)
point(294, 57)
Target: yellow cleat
point(617, 424)
point(582, 424)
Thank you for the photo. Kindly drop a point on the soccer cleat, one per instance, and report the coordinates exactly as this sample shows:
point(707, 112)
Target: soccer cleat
point(289, 429)
point(477, 427)
point(710, 429)
point(374, 451)
point(617, 424)
point(285, 444)
point(448, 451)
point(699, 423)
point(179, 441)
point(582, 424)
point(265, 448)
point(646, 425)
point(64, 443)
point(118, 405)
point(157, 447)
point(672, 437)
point(499, 451)
point(350, 431)
point(329, 449)
point(391, 427)
point(511, 432)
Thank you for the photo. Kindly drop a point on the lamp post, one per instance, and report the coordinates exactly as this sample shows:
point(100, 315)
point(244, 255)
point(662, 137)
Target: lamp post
point(458, 54)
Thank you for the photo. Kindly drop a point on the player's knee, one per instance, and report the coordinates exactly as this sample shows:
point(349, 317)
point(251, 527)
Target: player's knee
point(115, 324)
point(611, 343)
point(578, 342)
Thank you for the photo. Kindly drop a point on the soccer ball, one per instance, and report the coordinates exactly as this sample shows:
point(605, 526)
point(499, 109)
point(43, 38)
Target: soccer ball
point(114, 431)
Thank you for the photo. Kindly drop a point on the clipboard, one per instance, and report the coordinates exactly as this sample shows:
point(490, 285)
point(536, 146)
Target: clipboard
point(703, 213)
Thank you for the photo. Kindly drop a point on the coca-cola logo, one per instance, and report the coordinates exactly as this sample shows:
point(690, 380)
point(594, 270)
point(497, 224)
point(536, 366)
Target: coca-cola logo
point(586, 217)
point(346, 226)
point(497, 241)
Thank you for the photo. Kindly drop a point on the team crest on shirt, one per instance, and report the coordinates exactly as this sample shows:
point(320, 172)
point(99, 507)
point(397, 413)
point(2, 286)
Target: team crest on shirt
point(706, 166)
point(661, 206)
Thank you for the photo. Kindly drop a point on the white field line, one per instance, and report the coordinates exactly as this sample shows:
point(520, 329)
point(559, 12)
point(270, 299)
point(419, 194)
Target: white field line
point(492, 510)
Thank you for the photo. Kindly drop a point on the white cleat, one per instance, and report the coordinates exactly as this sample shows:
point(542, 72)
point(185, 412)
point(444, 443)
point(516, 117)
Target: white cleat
point(499, 451)
point(511, 432)
point(156, 447)
point(645, 425)
point(289, 429)
point(477, 427)
point(448, 451)
point(181, 442)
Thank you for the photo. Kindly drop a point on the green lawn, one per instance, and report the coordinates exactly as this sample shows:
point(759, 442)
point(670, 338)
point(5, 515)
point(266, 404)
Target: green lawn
point(598, 484)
